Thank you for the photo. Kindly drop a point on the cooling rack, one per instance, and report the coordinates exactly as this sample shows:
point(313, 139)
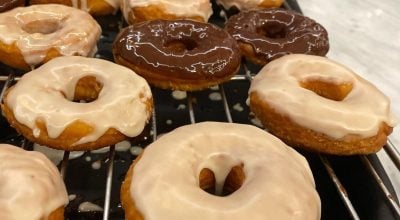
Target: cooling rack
point(354, 187)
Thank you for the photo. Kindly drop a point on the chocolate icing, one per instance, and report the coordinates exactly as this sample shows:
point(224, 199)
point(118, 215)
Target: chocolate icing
point(10, 4)
point(182, 49)
point(273, 33)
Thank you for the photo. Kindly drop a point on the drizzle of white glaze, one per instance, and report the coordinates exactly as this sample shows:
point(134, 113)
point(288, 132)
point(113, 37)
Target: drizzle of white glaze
point(30, 185)
point(96, 165)
point(179, 95)
point(238, 107)
point(124, 111)
point(215, 96)
point(76, 32)
point(183, 8)
point(360, 113)
point(278, 182)
point(123, 146)
point(56, 156)
point(89, 207)
point(136, 150)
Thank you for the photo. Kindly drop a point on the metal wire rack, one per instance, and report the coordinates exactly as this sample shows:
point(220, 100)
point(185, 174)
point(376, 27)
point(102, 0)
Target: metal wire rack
point(368, 161)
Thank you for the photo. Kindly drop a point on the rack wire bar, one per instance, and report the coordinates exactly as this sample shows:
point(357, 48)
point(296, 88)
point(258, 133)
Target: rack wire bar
point(339, 187)
point(110, 170)
point(393, 153)
point(9, 79)
point(64, 164)
point(391, 199)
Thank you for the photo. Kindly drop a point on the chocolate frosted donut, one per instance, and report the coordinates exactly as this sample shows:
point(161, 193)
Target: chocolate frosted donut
point(180, 54)
point(10, 4)
point(265, 35)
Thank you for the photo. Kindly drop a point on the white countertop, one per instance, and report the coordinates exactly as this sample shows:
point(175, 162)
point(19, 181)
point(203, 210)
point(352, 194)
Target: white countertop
point(365, 36)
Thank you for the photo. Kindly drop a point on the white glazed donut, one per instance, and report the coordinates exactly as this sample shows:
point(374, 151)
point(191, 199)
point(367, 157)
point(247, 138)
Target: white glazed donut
point(30, 36)
point(278, 183)
point(141, 10)
point(30, 186)
point(41, 107)
point(315, 103)
point(94, 7)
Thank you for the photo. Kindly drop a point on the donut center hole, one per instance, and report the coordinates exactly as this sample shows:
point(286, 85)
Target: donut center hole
point(180, 46)
point(329, 90)
point(41, 26)
point(87, 89)
point(273, 30)
point(233, 181)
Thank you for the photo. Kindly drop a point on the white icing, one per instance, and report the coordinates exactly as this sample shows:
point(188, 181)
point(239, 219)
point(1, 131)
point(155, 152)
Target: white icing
point(123, 146)
point(360, 113)
point(96, 165)
point(278, 183)
point(238, 107)
point(243, 4)
point(121, 103)
point(30, 185)
point(83, 4)
point(181, 8)
point(179, 95)
point(77, 31)
point(136, 150)
point(215, 96)
point(89, 207)
point(71, 197)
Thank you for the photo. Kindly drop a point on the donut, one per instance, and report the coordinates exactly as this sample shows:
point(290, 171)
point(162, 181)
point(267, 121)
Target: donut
point(10, 4)
point(313, 103)
point(143, 10)
point(264, 35)
point(243, 5)
point(31, 36)
point(31, 186)
point(265, 178)
point(180, 54)
point(46, 105)
point(94, 7)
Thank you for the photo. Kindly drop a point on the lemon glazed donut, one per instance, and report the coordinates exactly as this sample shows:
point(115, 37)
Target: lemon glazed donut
point(44, 105)
point(94, 7)
point(179, 54)
point(144, 10)
point(248, 173)
point(314, 103)
point(31, 186)
point(30, 36)
point(243, 5)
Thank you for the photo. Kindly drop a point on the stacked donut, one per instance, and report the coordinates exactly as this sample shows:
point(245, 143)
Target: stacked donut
point(209, 170)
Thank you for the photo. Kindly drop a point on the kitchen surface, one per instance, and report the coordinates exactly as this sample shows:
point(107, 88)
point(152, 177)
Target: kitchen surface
point(365, 36)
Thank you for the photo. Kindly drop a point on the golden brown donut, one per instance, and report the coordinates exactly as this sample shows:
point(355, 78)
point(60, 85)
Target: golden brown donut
point(31, 36)
point(171, 55)
point(94, 7)
point(143, 10)
point(316, 104)
point(81, 130)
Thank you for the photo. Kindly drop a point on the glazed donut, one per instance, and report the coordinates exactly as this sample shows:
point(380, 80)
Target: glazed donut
point(180, 54)
point(143, 10)
point(269, 179)
point(268, 34)
point(314, 103)
point(31, 186)
point(243, 5)
point(43, 106)
point(10, 4)
point(94, 7)
point(30, 36)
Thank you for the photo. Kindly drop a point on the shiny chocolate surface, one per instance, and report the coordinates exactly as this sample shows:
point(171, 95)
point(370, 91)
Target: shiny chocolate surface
point(182, 48)
point(10, 4)
point(273, 33)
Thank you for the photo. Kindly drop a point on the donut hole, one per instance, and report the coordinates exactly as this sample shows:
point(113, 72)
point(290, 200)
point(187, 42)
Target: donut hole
point(329, 90)
point(232, 183)
point(273, 30)
point(87, 89)
point(47, 26)
point(180, 46)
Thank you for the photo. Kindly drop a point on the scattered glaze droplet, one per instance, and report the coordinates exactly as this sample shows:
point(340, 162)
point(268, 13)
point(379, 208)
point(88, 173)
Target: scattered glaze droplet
point(101, 150)
point(71, 197)
point(96, 165)
point(89, 207)
point(256, 122)
point(215, 96)
point(136, 150)
point(215, 88)
point(123, 146)
point(238, 107)
point(56, 156)
point(88, 159)
point(181, 107)
point(168, 122)
point(179, 95)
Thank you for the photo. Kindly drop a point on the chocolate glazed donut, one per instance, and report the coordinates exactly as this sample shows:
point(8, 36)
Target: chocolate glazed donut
point(180, 54)
point(10, 4)
point(265, 35)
